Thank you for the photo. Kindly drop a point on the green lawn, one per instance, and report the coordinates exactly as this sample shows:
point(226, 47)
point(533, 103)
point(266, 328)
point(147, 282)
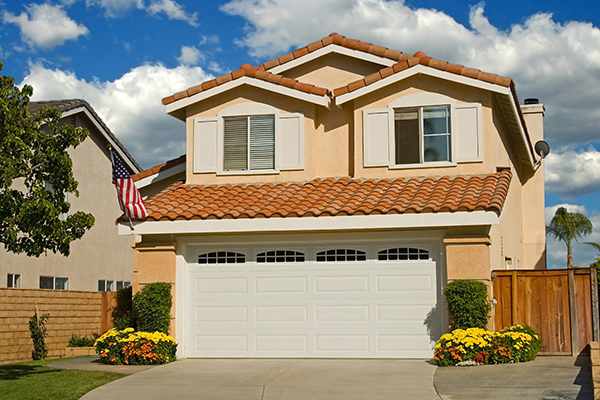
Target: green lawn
point(34, 380)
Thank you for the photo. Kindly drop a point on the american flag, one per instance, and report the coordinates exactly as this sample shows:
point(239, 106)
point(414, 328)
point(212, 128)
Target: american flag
point(130, 200)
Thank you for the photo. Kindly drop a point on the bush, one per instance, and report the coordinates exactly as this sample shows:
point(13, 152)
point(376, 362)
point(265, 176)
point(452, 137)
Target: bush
point(135, 348)
point(123, 313)
point(153, 307)
point(80, 341)
point(517, 343)
point(37, 327)
point(468, 304)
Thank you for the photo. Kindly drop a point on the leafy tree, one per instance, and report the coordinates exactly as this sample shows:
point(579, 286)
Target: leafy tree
point(567, 226)
point(35, 175)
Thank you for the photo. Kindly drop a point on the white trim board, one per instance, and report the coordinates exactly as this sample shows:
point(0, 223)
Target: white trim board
point(245, 80)
point(341, 223)
point(159, 176)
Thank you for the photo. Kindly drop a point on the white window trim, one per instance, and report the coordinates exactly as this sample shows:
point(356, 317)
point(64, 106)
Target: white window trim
point(421, 100)
point(54, 278)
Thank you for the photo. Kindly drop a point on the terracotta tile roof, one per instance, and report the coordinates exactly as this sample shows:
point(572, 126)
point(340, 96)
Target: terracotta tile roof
point(404, 61)
point(158, 168)
point(331, 197)
point(252, 72)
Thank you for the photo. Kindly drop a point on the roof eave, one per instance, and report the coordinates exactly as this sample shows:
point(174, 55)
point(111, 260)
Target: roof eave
point(177, 108)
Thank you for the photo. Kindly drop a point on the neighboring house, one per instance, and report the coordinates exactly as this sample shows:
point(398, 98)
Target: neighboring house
point(329, 196)
point(101, 260)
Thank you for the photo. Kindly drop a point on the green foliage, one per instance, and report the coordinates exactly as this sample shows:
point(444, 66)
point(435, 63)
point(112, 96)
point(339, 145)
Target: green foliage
point(123, 313)
point(518, 343)
point(468, 304)
point(153, 307)
point(37, 327)
point(80, 341)
point(566, 227)
point(135, 348)
point(35, 176)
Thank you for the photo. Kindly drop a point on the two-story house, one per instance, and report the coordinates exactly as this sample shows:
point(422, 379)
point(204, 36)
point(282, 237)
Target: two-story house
point(329, 196)
point(101, 259)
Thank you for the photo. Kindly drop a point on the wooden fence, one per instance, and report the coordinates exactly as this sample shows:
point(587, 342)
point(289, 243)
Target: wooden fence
point(561, 305)
point(70, 312)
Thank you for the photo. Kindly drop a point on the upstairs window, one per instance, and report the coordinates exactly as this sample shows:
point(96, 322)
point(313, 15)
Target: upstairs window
point(249, 143)
point(54, 282)
point(422, 135)
point(13, 280)
point(106, 285)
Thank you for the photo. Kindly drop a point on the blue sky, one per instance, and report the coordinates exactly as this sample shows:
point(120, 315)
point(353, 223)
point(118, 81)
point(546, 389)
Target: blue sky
point(123, 56)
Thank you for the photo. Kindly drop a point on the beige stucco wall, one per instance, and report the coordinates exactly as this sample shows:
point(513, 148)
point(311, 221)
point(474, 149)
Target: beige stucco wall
point(101, 253)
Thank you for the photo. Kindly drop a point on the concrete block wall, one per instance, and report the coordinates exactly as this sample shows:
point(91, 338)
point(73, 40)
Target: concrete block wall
point(70, 312)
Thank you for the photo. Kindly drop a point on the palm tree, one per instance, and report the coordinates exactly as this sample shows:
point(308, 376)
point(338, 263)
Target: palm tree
point(567, 226)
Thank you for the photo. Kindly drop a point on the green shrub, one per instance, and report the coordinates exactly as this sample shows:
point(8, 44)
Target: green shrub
point(153, 307)
point(517, 343)
point(135, 348)
point(80, 341)
point(37, 327)
point(123, 313)
point(468, 304)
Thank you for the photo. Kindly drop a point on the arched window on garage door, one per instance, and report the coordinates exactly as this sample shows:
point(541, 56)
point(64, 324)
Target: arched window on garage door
point(280, 256)
point(403, 254)
point(334, 255)
point(221, 257)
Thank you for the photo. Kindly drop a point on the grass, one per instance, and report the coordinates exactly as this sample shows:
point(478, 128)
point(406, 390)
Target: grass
point(34, 380)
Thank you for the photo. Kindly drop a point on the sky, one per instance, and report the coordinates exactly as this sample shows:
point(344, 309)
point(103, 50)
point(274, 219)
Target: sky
point(124, 56)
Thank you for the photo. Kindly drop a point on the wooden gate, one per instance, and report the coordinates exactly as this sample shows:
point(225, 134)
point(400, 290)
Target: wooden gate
point(561, 305)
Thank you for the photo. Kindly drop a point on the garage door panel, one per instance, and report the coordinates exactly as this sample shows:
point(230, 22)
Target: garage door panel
point(354, 309)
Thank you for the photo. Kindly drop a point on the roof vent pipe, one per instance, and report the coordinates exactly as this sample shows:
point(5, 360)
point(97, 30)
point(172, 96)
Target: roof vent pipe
point(532, 101)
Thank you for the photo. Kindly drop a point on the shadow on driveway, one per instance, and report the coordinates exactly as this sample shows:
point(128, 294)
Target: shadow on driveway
point(545, 378)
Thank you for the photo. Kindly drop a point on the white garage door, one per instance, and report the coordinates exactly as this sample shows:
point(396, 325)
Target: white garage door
point(343, 301)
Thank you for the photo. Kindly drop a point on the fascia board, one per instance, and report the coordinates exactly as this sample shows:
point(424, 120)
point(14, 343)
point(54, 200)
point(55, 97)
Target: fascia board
point(339, 223)
point(159, 176)
point(421, 69)
point(332, 48)
point(105, 134)
point(311, 98)
point(514, 107)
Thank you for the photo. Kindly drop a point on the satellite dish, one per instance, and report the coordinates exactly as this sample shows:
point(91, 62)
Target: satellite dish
point(542, 149)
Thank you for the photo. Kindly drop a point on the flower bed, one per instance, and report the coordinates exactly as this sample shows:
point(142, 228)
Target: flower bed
point(135, 348)
point(518, 343)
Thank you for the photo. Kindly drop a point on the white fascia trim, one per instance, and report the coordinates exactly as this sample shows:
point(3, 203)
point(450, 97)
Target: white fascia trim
point(245, 80)
point(159, 176)
point(515, 107)
point(332, 48)
point(342, 223)
point(421, 69)
point(114, 145)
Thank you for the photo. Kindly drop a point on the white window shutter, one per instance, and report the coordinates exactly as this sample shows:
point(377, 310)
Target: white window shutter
point(290, 143)
point(205, 144)
point(376, 137)
point(468, 132)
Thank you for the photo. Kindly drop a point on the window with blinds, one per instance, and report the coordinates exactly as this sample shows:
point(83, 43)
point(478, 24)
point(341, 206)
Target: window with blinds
point(249, 143)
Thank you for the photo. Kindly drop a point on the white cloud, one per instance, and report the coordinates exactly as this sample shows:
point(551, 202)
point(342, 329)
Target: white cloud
point(45, 25)
point(571, 174)
point(130, 105)
point(116, 8)
point(583, 255)
point(173, 10)
point(557, 63)
point(189, 55)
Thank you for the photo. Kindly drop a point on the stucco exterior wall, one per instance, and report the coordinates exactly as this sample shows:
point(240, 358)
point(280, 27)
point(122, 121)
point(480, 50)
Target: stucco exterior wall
point(101, 253)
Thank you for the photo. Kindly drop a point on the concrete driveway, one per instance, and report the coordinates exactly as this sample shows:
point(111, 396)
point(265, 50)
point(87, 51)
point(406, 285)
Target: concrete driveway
point(545, 378)
point(282, 379)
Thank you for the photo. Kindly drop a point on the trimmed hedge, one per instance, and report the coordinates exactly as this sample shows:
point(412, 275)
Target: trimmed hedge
point(468, 304)
point(153, 307)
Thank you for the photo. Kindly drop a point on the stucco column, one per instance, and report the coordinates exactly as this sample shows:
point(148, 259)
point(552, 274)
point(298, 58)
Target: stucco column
point(155, 262)
point(468, 257)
